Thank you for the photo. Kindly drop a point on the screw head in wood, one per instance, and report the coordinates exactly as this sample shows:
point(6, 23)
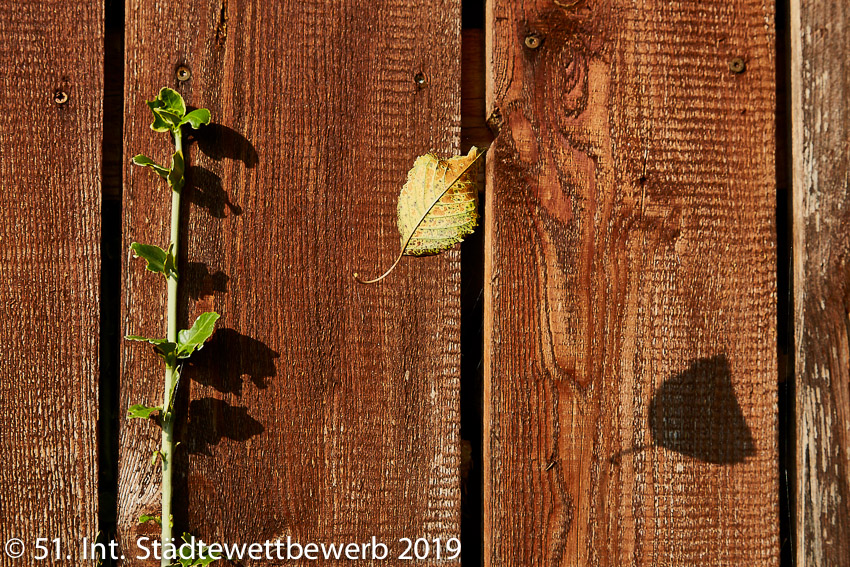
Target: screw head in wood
point(737, 65)
point(183, 73)
point(419, 79)
point(60, 97)
point(533, 41)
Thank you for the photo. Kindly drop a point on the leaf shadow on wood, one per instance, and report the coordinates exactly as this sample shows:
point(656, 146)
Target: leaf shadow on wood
point(211, 420)
point(217, 142)
point(227, 358)
point(198, 281)
point(696, 413)
point(205, 190)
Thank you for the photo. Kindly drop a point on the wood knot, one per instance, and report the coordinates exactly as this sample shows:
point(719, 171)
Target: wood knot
point(495, 121)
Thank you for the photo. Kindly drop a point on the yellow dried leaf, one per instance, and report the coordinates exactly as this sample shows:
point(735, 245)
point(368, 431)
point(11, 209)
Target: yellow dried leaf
point(438, 206)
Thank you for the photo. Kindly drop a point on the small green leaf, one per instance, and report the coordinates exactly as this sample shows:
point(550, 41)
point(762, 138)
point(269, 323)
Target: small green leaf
point(163, 121)
point(197, 118)
point(155, 455)
point(207, 558)
point(171, 101)
point(170, 398)
point(170, 263)
point(168, 110)
point(175, 176)
point(190, 340)
point(168, 352)
point(145, 518)
point(154, 255)
point(201, 556)
point(155, 342)
point(165, 349)
point(139, 411)
point(148, 162)
point(172, 120)
point(159, 261)
point(159, 124)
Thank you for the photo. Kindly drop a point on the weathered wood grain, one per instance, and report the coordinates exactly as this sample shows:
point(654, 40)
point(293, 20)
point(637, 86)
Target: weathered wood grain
point(49, 273)
point(820, 75)
point(630, 387)
point(322, 409)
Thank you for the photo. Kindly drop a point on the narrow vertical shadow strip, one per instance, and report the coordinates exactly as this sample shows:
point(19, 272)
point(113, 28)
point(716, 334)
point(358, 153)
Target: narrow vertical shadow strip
point(785, 286)
point(474, 132)
point(110, 268)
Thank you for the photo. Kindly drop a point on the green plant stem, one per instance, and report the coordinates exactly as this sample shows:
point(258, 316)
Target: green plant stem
point(171, 374)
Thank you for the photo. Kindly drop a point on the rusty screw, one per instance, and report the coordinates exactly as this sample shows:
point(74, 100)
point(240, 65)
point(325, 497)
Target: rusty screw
point(183, 73)
point(737, 65)
point(419, 79)
point(60, 97)
point(532, 41)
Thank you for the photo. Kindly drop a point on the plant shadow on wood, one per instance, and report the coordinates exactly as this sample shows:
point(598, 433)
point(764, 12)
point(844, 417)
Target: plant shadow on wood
point(205, 190)
point(211, 420)
point(222, 363)
point(217, 142)
point(696, 413)
point(228, 357)
point(199, 281)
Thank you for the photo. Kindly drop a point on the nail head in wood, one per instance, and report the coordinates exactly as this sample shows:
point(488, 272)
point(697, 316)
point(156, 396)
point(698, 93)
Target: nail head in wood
point(419, 79)
point(60, 97)
point(737, 65)
point(533, 41)
point(183, 73)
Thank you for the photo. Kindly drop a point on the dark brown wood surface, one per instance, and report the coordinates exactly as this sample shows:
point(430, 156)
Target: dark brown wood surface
point(49, 274)
point(630, 386)
point(474, 130)
point(821, 152)
point(322, 409)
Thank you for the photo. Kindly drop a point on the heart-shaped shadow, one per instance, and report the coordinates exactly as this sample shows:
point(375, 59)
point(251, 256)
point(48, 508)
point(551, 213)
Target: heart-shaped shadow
point(696, 413)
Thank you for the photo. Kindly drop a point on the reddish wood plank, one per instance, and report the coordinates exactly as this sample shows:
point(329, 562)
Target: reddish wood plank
point(630, 387)
point(49, 273)
point(821, 153)
point(323, 409)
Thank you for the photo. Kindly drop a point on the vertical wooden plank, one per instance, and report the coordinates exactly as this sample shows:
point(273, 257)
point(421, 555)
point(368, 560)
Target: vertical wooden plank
point(630, 318)
point(820, 40)
point(323, 409)
point(49, 273)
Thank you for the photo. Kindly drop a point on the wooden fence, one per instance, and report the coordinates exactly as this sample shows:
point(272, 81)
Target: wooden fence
point(640, 359)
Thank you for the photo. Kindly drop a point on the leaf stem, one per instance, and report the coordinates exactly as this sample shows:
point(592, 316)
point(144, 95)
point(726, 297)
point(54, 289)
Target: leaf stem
point(167, 447)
